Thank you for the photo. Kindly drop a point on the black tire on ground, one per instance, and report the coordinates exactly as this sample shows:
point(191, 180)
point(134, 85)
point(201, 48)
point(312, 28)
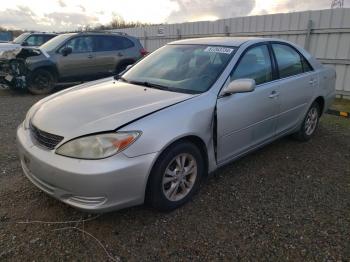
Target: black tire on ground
point(41, 82)
point(307, 130)
point(155, 193)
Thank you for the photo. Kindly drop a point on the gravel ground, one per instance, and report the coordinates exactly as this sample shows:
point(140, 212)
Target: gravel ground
point(287, 201)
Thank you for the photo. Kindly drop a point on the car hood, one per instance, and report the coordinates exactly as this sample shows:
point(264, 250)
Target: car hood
point(8, 46)
point(102, 106)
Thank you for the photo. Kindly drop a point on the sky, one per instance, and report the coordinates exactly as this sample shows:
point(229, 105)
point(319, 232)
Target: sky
point(64, 15)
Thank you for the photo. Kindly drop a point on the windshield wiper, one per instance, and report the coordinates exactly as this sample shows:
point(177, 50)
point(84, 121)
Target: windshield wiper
point(148, 84)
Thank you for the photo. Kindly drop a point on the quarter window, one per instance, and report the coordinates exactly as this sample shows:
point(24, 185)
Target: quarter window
point(306, 66)
point(255, 64)
point(288, 60)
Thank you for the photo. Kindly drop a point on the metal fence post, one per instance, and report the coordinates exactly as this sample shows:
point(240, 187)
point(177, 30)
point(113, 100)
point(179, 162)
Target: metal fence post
point(178, 32)
point(145, 39)
point(308, 35)
point(227, 30)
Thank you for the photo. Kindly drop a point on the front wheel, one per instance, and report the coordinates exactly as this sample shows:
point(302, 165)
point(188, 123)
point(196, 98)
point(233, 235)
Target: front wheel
point(309, 124)
point(41, 82)
point(176, 177)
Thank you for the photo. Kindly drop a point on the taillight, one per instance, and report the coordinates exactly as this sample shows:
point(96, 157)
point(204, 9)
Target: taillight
point(143, 52)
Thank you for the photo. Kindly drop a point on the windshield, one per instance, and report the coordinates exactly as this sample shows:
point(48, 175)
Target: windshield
point(19, 39)
point(53, 43)
point(181, 68)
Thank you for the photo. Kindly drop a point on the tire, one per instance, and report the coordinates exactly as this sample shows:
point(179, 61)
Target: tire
point(41, 82)
point(310, 123)
point(168, 188)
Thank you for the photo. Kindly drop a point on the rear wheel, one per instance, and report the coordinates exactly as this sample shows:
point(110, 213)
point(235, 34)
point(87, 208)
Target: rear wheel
point(176, 177)
point(41, 82)
point(310, 123)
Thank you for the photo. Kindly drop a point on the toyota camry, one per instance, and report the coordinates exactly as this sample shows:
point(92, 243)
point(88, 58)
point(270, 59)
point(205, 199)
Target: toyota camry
point(154, 132)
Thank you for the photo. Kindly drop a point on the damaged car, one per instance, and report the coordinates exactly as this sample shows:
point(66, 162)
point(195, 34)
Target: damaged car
point(72, 57)
point(179, 114)
point(27, 40)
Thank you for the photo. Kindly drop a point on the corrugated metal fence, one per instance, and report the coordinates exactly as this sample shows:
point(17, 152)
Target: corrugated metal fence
point(325, 33)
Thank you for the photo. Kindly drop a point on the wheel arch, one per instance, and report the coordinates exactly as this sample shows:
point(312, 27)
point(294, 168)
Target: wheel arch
point(50, 68)
point(321, 102)
point(196, 140)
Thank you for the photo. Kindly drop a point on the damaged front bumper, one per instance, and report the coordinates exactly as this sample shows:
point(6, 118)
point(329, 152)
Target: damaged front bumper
point(13, 74)
point(13, 70)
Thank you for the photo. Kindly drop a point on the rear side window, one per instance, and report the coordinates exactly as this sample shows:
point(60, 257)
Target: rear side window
point(48, 37)
point(254, 64)
point(107, 43)
point(112, 43)
point(288, 60)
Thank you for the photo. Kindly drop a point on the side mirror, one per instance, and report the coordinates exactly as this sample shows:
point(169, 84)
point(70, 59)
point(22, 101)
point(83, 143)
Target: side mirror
point(66, 51)
point(239, 86)
point(25, 43)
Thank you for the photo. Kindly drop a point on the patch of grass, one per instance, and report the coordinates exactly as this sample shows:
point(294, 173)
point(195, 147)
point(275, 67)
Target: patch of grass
point(341, 105)
point(335, 122)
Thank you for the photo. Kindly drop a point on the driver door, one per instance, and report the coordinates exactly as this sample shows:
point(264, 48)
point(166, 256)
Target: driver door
point(246, 120)
point(80, 62)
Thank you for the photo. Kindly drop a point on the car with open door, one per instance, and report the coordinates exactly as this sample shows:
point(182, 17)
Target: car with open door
point(154, 132)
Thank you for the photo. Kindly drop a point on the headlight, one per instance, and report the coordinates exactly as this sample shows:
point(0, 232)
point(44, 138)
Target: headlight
point(98, 146)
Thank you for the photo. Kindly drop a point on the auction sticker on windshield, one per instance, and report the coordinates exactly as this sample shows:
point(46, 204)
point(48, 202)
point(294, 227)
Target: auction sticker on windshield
point(218, 49)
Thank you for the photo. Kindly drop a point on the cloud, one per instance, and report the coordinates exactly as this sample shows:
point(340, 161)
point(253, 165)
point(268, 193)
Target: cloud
point(82, 8)
point(292, 5)
point(284, 6)
point(61, 3)
point(192, 10)
point(24, 18)
point(63, 20)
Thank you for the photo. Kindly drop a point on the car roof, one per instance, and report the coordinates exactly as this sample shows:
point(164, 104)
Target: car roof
point(41, 33)
point(222, 41)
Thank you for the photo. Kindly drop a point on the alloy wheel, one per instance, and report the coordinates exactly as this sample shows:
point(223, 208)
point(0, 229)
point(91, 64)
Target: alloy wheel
point(179, 177)
point(311, 121)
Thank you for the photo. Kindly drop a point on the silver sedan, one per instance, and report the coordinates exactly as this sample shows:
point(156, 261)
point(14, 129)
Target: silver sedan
point(154, 132)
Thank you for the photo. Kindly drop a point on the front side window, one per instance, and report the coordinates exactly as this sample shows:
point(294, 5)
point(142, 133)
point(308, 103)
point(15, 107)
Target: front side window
point(81, 44)
point(254, 64)
point(288, 60)
point(35, 40)
point(183, 68)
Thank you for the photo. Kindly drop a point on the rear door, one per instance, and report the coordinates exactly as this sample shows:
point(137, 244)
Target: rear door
point(111, 53)
point(245, 120)
point(297, 82)
point(80, 63)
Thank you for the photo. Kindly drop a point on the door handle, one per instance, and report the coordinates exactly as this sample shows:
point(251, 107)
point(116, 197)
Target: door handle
point(312, 81)
point(120, 54)
point(90, 56)
point(273, 94)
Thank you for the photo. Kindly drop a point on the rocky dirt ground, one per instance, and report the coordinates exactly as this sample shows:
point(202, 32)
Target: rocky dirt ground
point(287, 201)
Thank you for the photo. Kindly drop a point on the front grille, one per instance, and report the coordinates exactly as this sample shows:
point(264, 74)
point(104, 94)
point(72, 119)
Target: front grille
point(47, 140)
